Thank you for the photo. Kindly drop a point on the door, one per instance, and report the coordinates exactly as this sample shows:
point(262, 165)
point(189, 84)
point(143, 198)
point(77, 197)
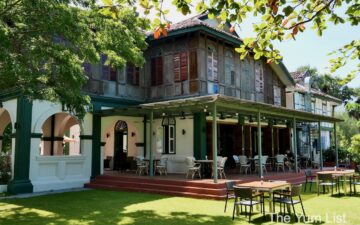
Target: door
point(121, 146)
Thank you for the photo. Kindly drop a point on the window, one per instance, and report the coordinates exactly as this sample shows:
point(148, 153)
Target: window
point(277, 96)
point(324, 108)
point(313, 106)
point(212, 64)
point(156, 71)
point(259, 78)
point(229, 68)
point(169, 135)
point(108, 72)
point(180, 62)
point(132, 74)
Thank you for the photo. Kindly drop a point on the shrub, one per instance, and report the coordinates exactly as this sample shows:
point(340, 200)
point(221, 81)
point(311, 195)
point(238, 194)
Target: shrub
point(355, 148)
point(5, 169)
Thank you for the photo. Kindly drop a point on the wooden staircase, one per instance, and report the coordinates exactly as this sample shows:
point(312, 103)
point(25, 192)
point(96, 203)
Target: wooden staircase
point(204, 189)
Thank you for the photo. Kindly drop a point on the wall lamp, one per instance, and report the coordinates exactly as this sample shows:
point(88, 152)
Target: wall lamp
point(133, 134)
point(107, 135)
point(183, 131)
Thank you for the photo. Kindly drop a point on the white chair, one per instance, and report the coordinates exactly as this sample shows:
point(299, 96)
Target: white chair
point(161, 167)
point(236, 159)
point(280, 162)
point(221, 167)
point(263, 162)
point(316, 162)
point(192, 167)
point(243, 160)
point(141, 165)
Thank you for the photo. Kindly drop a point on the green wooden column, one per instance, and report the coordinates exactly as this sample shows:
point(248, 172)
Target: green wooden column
point(151, 136)
point(96, 144)
point(320, 146)
point(21, 182)
point(214, 142)
point(200, 135)
point(259, 145)
point(294, 141)
point(336, 147)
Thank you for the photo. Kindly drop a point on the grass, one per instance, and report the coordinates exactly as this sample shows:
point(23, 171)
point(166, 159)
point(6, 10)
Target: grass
point(109, 207)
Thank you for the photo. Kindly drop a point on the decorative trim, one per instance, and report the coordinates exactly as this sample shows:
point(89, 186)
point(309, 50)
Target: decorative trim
point(102, 143)
point(36, 135)
point(52, 138)
point(86, 137)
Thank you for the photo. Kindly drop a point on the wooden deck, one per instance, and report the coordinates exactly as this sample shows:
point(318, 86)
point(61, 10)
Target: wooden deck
point(178, 185)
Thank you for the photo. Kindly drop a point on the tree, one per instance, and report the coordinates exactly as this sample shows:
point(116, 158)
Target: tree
point(280, 20)
point(355, 147)
point(43, 44)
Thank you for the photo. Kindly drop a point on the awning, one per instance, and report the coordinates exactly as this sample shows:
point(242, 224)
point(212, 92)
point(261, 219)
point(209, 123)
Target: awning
point(224, 104)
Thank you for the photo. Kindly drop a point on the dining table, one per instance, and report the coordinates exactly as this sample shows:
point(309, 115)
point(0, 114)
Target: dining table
point(337, 173)
point(206, 167)
point(267, 186)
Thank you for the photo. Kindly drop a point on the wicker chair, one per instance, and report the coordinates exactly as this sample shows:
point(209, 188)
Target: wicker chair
point(245, 197)
point(286, 197)
point(326, 180)
point(192, 167)
point(161, 167)
point(309, 178)
point(244, 164)
point(229, 192)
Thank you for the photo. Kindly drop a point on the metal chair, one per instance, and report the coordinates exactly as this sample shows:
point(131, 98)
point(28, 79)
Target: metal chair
point(229, 192)
point(286, 197)
point(326, 180)
point(221, 167)
point(192, 167)
point(245, 197)
point(354, 180)
point(161, 167)
point(244, 164)
point(309, 178)
point(141, 166)
point(236, 159)
point(280, 162)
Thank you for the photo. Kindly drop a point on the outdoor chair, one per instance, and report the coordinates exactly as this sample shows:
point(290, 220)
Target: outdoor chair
point(354, 180)
point(280, 162)
point(316, 161)
point(141, 166)
point(286, 197)
point(244, 165)
point(358, 168)
point(309, 178)
point(161, 167)
point(263, 161)
point(229, 192)
point(236, 160)
point(326, 180)
point(245, 197)
point(221, 168)
point(192, 167)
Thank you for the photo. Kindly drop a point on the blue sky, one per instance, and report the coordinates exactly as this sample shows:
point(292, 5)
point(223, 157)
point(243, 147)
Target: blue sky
point(307, 49)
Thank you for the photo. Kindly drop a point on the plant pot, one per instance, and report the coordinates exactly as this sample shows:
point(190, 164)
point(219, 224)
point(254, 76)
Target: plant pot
point(3, 188)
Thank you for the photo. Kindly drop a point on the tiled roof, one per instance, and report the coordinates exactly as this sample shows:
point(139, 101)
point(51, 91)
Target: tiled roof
point(298, 74)
point(198, 21)
point(300, 88)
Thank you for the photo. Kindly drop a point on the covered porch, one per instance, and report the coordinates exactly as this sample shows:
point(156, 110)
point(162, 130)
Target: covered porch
point(258, 128)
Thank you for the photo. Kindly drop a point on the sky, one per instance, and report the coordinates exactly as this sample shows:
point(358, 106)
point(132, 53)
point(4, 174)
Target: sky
point(307, 49)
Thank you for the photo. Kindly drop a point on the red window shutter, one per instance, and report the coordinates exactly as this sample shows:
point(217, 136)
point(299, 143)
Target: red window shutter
point(193, 65)
point(159, 71)
point(153, 72)
point(176, 62)
point(184, 66)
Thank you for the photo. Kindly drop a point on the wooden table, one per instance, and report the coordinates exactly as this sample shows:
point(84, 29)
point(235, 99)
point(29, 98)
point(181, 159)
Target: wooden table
point(266, 186)
point(205, 168)
point(338, 173)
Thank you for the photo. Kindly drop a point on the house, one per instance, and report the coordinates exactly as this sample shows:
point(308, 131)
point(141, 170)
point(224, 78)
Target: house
point(305, 98)
point(193, 97)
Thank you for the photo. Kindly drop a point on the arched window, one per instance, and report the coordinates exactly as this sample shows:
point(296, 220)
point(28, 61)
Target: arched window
point(120, 145)
point(61, 135)
point(229, 68)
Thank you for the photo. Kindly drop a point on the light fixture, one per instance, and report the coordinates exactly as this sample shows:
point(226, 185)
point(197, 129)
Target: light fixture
point(183, 131)
point(107, 135)
point(236, 114)
point(251, 119)
point(163, 114)
point(221, 116)
point(133, 134)
point(182, 115)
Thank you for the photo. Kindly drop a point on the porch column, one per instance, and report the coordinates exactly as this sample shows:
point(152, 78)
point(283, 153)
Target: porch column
point(151, 136)
point(96, 143)
point(336, 147)
point(272, 141)
point(214, 143)
point(277, 141)
point(259, 145)
point(145, 135)
point(21, 182)
point(295, 144)
point(242, 140)
point(320, 146)
point(200, 135)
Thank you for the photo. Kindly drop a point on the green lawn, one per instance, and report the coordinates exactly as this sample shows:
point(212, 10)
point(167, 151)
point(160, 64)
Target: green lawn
point(108, 207)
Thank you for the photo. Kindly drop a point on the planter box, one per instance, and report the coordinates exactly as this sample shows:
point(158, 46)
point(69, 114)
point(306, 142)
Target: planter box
point(3, 188)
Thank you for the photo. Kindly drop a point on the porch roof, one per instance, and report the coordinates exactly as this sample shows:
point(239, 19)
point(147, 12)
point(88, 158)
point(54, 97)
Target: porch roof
point(224, 104)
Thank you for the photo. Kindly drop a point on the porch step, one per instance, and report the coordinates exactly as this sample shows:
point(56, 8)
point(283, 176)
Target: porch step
point(155, 191)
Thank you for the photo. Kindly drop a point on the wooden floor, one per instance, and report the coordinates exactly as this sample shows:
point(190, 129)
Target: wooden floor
point(178, 185)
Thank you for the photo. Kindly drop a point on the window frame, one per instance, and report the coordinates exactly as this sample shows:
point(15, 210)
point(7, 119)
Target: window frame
point(169, 140)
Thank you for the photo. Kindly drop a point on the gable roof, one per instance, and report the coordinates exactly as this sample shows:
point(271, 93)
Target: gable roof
point(197, 23)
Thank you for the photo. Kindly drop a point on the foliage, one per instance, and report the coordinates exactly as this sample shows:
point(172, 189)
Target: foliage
point(45, 42)
point(5, 169)
point(330, 154)
point(280, 20)
point(6, 140)
point(346, 130)
point(355, 148)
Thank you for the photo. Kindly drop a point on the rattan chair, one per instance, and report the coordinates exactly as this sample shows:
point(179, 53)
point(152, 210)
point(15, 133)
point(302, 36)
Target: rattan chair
point(245, 197)
point(229, 192)
point(286, 197)
point(326, 180)
point(354, 181)
point(244, 164)
point(309, 178)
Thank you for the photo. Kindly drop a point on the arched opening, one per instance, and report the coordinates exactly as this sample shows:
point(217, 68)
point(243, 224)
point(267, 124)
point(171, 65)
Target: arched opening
point(5, 146)
point(120, 145)
point(61, 135)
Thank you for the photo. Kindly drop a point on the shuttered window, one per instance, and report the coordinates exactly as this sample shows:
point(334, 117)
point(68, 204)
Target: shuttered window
point(212, 64)
point(193, 65)
point(229, 69)
point(107, 72)
point(156, 71)
point(180, 62)
point(132, 74)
